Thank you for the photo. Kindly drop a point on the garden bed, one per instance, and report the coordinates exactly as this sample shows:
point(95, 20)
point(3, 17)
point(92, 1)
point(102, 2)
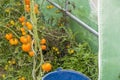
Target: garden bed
point(30, 40)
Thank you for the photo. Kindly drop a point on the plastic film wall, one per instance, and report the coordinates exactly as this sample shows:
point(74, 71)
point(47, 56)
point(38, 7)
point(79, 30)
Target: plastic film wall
point(109, 24)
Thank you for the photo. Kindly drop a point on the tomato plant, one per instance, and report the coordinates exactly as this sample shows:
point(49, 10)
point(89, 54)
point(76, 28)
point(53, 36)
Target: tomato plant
point(36, 39)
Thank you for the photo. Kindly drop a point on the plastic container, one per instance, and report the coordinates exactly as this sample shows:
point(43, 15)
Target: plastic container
point(65, 75)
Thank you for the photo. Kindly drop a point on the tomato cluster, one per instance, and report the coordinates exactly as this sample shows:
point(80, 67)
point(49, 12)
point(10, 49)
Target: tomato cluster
point(12, 40)
point(24, 37)
point(27, 7)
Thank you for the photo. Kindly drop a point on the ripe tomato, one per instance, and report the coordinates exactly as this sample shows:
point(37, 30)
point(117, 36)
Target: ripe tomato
point(43, 41)
point(43, 47)
point(22, 19)
point(46, 67)
point(29, 25)
point(13, 41)
point(26, 47)
point(25, 39)
point(31, 53)
point(9, 36)
point(27, 2)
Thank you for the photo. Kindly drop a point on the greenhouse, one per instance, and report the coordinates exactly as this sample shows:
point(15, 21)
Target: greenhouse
point(49, 40)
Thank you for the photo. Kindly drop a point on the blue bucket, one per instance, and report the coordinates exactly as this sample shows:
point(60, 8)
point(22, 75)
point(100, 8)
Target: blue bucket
point(65, 75)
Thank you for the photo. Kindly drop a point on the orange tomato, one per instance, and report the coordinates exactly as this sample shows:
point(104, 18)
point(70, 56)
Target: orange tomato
point(26, 47)
point(29, 38)
point(27, 2)
point(13, 41)
point(27, 8)
point(43, 47)
point(23, 33)
point(22, 29)
point(31, 53)
point(29, 25)
point(25, 39)
point(9, 36)
point(43, 41)
point(46, 67)
point(22, 19)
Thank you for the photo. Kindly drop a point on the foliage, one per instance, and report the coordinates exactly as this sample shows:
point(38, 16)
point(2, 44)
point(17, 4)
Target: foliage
point(60, 46)
point(82, 10)
point(83, 60)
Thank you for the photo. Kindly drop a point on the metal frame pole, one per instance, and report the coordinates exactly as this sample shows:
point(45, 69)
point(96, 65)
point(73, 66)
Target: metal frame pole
point(75, 18)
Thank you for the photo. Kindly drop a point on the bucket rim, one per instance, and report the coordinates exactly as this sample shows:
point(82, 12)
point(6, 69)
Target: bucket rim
point(71, 71)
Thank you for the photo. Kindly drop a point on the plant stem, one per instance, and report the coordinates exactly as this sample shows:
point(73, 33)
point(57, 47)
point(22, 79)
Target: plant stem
point(36, 38)
point(12, 31)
